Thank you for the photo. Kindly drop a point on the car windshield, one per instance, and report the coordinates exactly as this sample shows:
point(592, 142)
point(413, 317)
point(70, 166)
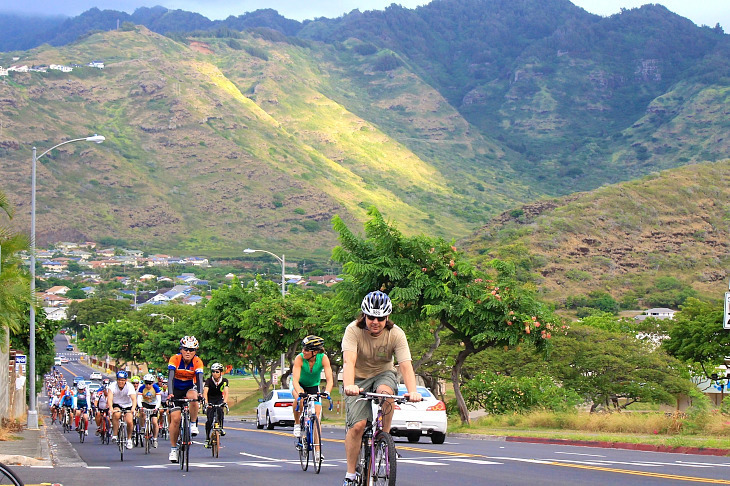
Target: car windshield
point(284, 395)
point(423, 391)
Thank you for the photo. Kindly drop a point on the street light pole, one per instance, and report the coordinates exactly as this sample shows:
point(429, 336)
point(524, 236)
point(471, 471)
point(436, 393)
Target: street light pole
point(282, 260)
point(163, 315)
point(32, 412)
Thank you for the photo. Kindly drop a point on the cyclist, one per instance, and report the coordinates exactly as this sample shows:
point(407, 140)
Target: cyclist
point(82, 401)
point(67, 401)
point(121, 399)
point(368, 347)
point(135, 381)
point(185, 381)
point(101, 402)
point(215, 392)
point(306, 379)
point(149, 397)
point(55, 406)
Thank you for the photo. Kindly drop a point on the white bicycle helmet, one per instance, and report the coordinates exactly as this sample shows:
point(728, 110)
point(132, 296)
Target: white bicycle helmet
point(377, 304)
point(81, 386)
point(189, 342)
point(148, 378)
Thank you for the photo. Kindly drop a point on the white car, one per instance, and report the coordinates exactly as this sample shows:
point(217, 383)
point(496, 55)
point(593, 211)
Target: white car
point(428, 417)
point(95, 375)
point(275, 409)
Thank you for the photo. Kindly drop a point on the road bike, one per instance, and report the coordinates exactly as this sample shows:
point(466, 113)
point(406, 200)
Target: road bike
point(105, 428)
point(137, 438)
point(184, 441)
point(147, 429)
point(376, 463)
point(66, 419)
point(215, 433)
point(163, 420)
point(122, 433)
point(82, 426)
point(7, 476)
point(310, 442)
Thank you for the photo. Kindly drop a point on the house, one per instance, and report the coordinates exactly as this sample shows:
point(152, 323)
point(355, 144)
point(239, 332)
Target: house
point(56, 313)
point(656, 313)
point(178, 292)
point(196, 262)
point(89, 290)
point(52, 300)
point(148, 276)
point(54, 266)
point(59, 67)
point(96, 64)
point(192, 299)
point(66, 246)
point(230, 276)
point(19, 69)
point(4, 72)
point(58, 290)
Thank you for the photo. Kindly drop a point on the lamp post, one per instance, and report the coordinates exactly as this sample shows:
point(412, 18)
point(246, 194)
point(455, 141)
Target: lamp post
point(283, 288)
point(163, 315)
point(32, 412)
point(281, 260)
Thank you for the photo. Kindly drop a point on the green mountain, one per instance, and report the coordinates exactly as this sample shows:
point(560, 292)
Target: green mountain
point(443, 116)
point(654, 240)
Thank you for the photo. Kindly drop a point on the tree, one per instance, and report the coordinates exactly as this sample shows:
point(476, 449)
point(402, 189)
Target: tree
point(98, 309)
point(122, 339)
point(696, 334)
point(14, 281)
point(434, 287)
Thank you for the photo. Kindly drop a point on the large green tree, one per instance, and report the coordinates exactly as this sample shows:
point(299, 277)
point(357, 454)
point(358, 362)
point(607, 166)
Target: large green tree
point(434, 287)
point(14, 280)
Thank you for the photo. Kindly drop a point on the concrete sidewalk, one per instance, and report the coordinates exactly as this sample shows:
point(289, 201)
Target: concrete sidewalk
point(29, 448)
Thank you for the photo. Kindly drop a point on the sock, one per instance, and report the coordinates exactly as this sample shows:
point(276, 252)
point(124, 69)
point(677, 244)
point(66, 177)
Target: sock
point(350, 476)
point(77, 422)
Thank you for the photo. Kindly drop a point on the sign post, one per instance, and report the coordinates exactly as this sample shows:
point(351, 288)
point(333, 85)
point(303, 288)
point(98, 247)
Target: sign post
point(726, 318)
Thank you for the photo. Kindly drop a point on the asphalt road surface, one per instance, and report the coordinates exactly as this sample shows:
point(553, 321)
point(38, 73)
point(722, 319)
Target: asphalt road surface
point(264, 457)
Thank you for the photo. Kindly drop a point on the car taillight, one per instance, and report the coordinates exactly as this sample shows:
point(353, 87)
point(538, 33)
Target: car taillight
point(439, 406)
point(282, 404)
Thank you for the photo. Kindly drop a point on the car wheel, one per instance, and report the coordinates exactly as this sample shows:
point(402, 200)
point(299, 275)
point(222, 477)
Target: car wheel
point(269, 425)
point(413, 438)
point(259, 425)
point(438, 437)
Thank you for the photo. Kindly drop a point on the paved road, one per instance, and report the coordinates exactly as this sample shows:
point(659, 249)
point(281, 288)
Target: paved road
point(253, 456)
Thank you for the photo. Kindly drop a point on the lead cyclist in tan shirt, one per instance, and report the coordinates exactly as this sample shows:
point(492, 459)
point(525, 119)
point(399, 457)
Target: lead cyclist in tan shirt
point(369, 345)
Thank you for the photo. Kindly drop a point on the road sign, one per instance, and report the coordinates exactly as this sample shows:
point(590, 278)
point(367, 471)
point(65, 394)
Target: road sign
point(21, 359)
point(726, 319)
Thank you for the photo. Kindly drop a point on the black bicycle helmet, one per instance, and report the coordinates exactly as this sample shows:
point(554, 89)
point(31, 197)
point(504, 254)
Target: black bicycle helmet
point(377, 304)
point(312, 343)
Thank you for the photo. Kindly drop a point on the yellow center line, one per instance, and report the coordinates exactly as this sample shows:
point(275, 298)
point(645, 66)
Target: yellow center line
point(551, 463)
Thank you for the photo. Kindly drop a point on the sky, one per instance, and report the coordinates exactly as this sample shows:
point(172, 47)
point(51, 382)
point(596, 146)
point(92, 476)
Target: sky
point(707, 12)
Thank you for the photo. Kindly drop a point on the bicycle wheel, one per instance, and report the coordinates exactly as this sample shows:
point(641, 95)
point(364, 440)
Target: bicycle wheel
point(122, 437)
point(384, 461)
point(135, 433)
point(214, 440)
point(7, 476)
point(188, 442)
point(304, 449)
point(82, 428)
point(316, 444)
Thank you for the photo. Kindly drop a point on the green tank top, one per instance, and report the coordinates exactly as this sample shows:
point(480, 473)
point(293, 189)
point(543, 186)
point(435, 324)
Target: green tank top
point(311, 377)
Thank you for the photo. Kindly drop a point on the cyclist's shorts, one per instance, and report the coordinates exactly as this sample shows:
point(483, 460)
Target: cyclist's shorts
point(356, 411)
point(149, 406)
point(308, 389)
point(83, 408)
point(102, 410)
point(181, 393)
point(123, 409)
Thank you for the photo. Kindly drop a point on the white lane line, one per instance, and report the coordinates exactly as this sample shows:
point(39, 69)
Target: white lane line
point(472, 461)
point(421, 463)
point(204, 465)
point(98, 467)
point(43, 467)
point(275, 459)
point(157, 466)
point(578, 454)
point(520, 459)
point(682, 463)
point(257, 464)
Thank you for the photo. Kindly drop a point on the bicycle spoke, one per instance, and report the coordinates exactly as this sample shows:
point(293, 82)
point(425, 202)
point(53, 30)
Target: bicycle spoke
point(384, 461)
point(316, 444)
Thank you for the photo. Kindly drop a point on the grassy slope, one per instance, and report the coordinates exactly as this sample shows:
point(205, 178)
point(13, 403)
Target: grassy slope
point(622, 236)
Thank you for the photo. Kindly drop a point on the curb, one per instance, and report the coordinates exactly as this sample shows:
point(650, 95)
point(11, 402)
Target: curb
point(704, 451)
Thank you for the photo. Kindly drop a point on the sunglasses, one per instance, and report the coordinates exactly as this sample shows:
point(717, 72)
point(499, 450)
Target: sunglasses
point(373, 318)
point(216, 371)
point(189, 349)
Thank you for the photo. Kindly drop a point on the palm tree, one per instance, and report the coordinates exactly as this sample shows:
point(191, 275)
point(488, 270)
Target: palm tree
point(14, 280)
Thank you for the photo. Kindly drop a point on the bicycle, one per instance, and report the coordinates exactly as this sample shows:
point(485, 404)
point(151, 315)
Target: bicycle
point(215, 433)
point(184, 441)
point(122, 433)
point(66, 420)
point(82, 427)
point(7, 476)
point(376, 463)
point(164, 423)
point(310, 442)
point(105, 428)
point(136, 432)
point(147, 435)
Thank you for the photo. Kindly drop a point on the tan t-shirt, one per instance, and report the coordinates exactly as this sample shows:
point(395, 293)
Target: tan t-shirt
point(375, 354)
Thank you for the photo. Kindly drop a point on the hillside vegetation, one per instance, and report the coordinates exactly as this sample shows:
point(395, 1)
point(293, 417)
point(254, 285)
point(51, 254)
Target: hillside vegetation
point(666, 233)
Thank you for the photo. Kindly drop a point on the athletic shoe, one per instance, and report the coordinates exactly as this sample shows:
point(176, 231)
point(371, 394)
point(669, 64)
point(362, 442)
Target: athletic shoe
point(173, 455)
point(129, 444)
point(98, 432)
point(154, 443)
point(297, 430)
point(207, 444)
point(86, 432)
point(349, 482)
point(223, 432)
point(114, 438)
point(193, 430)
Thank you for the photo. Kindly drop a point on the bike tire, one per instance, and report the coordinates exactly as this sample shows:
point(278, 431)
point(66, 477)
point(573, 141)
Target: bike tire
point(304, 449)
point(122, 437)
point(214, 440)
point(316, 428)
point(362, 469)
point(82, 428)
point(188, 441)
point(7, 476)
point(384, 462)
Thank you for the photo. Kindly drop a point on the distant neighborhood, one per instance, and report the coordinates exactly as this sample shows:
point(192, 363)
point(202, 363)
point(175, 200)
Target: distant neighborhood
point(84, 262)
point(24, 68)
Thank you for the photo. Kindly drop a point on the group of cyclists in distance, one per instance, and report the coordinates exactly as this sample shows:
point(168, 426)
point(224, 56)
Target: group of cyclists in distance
point(369, 346)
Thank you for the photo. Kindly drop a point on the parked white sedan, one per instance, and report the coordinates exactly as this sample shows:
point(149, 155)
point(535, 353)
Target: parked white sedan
point(275, 409)
point(95, 375)
point(428, 417)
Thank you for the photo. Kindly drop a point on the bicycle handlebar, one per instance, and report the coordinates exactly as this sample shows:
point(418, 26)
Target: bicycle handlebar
point(381, 397)
point(317, 395)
